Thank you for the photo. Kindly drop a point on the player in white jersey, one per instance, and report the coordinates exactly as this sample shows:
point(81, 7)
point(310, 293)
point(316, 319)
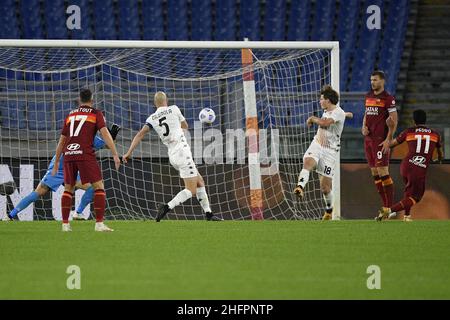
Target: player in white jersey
point(322, 154)
point(169, 123)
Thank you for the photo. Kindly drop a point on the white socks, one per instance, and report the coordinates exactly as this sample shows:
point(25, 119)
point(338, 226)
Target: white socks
point(181, 197)
point(202, 198)
point(303, 178)
point(328, 200)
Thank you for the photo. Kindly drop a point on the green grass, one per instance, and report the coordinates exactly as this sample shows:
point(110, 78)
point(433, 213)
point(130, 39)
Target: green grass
point(226, 260)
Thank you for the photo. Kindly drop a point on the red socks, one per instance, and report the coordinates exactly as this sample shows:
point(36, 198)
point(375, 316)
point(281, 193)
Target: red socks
point(388, 186)
point(66, 205)
point(379, 185)
point(404, 204)
point(99, 204)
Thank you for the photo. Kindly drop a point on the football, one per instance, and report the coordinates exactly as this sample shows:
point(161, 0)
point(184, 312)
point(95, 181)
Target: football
point(207, 116)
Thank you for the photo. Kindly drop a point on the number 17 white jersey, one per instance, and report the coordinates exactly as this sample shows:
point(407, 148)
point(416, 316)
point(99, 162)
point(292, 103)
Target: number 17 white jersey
point(166, 121)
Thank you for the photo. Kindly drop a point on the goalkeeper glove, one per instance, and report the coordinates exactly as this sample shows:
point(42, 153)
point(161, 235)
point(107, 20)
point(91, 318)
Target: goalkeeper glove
point(7, 188)
point(114, 131)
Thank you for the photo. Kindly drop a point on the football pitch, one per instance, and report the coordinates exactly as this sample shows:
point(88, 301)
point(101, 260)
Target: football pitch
point(227, 260)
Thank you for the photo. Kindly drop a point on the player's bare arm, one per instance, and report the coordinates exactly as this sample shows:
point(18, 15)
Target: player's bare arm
point(110, 143)
point(136, 140)
point(391, 123)
point(59, 149)
point(440, 154)
point(364, 129)
point(349, 115)
point(325, 123)
point(184, 125)
point(393, 143)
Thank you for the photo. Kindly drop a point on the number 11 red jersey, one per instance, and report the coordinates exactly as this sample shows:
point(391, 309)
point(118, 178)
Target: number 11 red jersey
point(80, 128)
point(421, 142)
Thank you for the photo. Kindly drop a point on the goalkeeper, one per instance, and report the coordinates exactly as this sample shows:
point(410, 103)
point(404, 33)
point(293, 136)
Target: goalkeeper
point(50, 182)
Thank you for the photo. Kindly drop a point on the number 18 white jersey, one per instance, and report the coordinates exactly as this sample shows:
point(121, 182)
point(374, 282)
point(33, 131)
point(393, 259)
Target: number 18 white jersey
point(166, 121)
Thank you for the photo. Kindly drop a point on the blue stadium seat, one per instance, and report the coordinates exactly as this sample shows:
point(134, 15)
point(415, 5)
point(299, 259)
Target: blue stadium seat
point(249, 20)
point(13, 115)
point(129, 20)
point(8, 74)
point(226, 24)
point(60, 81)
point(201, 18)
point(357, 108)
point(323, 23)
point(40, 115)
point(153, 19)
point(139, 113)
point(186, 64)
point(62, 110)
point(55, 19)
point(299, 20)
point(85, 32)
point(177, 14)
point(274, 21)
point(35, 81)
point(8, 20)
point(111, 78)
point(347, 28)
point(209, 62)
point(122, 115)
point(104, 22)
point(31, 21)
point(137, 82)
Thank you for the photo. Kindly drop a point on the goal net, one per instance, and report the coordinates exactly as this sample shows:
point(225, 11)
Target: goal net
point(250, 157)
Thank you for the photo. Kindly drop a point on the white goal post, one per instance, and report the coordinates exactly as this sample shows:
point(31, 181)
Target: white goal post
point(124, 75)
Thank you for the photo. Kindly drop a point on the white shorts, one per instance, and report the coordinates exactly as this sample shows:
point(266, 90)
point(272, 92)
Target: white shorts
point(325, 158)
point(181, 159)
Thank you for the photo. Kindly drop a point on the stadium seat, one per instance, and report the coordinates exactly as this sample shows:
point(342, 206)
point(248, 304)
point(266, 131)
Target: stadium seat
point(177, 14)
point(139, 113)
point(274, 21)
point(225, 23)
point(128, 20)
point(153, 19)
point(357, 108)
point(40, 115)
point(85, 32)
point(13, 115)
point(299, 20)
point(62, 109)
point(55, 19)
point(249, 20)
point(8, 20)
point(104, 22)
point(201, 20)
point(323, 22)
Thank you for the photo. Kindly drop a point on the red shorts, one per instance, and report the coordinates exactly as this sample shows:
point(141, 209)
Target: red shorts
point(89, 172)
point(414, 182)
point(375, 157)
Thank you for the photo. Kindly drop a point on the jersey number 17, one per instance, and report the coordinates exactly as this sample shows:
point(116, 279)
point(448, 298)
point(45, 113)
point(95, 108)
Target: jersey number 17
point(72, 119)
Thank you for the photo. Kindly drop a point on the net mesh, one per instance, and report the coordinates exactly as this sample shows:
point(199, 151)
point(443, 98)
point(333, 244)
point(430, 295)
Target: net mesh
point(38, 87)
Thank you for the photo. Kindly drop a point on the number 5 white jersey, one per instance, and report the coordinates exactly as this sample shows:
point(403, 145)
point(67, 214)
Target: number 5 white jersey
point(166, 121)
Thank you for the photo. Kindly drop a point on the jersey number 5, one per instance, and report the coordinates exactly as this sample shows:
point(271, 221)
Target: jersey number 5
point(161, 123)
point(72, 119)
point(419, 143)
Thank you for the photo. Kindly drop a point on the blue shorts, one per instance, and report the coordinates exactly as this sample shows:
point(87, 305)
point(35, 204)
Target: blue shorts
point(53, 182)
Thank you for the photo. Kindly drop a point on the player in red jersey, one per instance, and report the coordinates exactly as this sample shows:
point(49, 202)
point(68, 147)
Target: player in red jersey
point(76, 142)
point(380, 106)
point(421, 142)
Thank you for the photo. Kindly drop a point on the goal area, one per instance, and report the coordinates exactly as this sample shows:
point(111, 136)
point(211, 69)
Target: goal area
point(250, 157)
